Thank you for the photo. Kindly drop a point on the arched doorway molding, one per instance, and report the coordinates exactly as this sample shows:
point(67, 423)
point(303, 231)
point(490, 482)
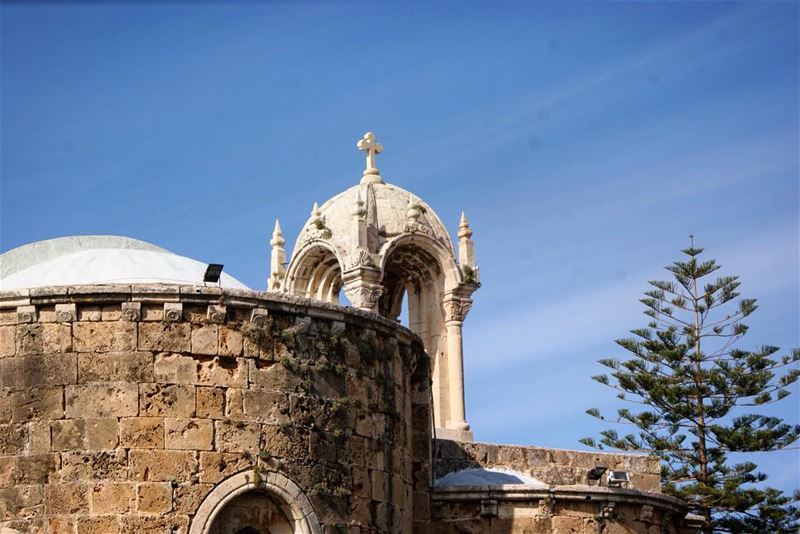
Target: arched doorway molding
point(293, 502)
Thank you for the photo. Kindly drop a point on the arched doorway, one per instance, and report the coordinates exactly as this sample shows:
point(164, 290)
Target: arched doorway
point(267, 504)
point(253, 512)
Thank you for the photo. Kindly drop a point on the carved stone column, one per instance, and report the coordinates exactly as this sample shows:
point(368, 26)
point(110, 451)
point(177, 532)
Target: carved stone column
point(456, 309)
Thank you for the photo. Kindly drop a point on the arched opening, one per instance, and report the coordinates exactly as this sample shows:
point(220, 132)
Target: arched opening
point(409, 272)
point(253, 512)
point(317, 275)
point(239, 504)
point(415, 275)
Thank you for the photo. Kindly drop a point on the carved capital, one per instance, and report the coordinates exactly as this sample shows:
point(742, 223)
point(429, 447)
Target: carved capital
point(26, 314)
point(456, 308)
point(364, 296)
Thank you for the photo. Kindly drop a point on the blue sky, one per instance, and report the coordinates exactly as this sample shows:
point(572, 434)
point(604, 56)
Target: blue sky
point(584, 140)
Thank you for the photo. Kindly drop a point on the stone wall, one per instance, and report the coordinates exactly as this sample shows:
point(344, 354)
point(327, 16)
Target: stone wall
point(551, 466)
point(123, 407)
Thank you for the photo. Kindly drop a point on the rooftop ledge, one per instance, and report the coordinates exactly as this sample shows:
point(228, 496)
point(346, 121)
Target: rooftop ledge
point(521, 492)
point(200, 295)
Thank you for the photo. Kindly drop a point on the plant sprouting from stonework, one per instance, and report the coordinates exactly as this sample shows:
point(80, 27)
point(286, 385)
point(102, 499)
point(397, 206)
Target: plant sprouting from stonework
point(260, 334)
point(698, 399)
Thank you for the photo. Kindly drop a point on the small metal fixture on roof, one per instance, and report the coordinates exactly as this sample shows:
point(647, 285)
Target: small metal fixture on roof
point(595, 473)
point(213, 272)
point(618, 478)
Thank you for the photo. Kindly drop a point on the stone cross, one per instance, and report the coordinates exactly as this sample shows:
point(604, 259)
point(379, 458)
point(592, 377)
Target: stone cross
point(369, 144)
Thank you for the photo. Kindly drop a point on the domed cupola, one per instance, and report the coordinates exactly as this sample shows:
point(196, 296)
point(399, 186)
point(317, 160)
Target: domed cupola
point(381, 244)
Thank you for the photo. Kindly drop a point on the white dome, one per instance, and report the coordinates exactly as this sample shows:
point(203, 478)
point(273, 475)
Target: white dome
point(386, 208)
point(79, 260)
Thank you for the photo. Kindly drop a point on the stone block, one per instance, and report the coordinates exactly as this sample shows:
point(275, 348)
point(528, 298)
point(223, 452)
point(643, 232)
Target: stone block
point(104, 524)
point(152, 312)
point(89, 313)
point(171, 400)
point(131, 311)
point(8, 344)
point(5, 406)
point(142, 433)
point(46, 314)
point(271, 375)
point(104, 336)
point(234, 403)
point(61, 525)
point(165, 337)
point(117, 399)
point(205, 339)
point(20, 502)
point(8, 466)
point(32, 468)
point(108, 465)
point(154, 497)
point(210, 402)
point(13, 438)
point(175, 368)
point(112, 498)
point(236, 436)
point(102, 433)
point(187, 497)
point(39, 437)
point(162, 466)
point(38, 370)
point(111, 312)
point(379, 481)
point(215, 466)
point(115, 367)
point(222, 371)
point(26, 314)
point(66, 313)
point(65, 499)
point(67, 434)
point(189, 434)
point(216, 313)
point(231, 341)
point(173, 311)
point(266, 406)
point(285, 441)
point(37, 403)
point(43, 339)
point(156, 524)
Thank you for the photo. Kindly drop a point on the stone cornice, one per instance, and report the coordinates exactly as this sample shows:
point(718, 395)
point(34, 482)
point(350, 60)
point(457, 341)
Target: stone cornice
point(199, 295)
point(582, 493)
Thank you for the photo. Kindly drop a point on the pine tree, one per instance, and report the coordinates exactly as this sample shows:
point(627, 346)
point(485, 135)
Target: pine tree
point(698, 397)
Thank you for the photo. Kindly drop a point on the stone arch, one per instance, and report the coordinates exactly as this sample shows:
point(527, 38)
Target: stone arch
point(423, 243)
point(421, 269)
point(287, 495)
point(316, 273)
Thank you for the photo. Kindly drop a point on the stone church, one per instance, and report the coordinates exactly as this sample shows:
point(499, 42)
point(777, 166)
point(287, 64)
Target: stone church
point(143, 392)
